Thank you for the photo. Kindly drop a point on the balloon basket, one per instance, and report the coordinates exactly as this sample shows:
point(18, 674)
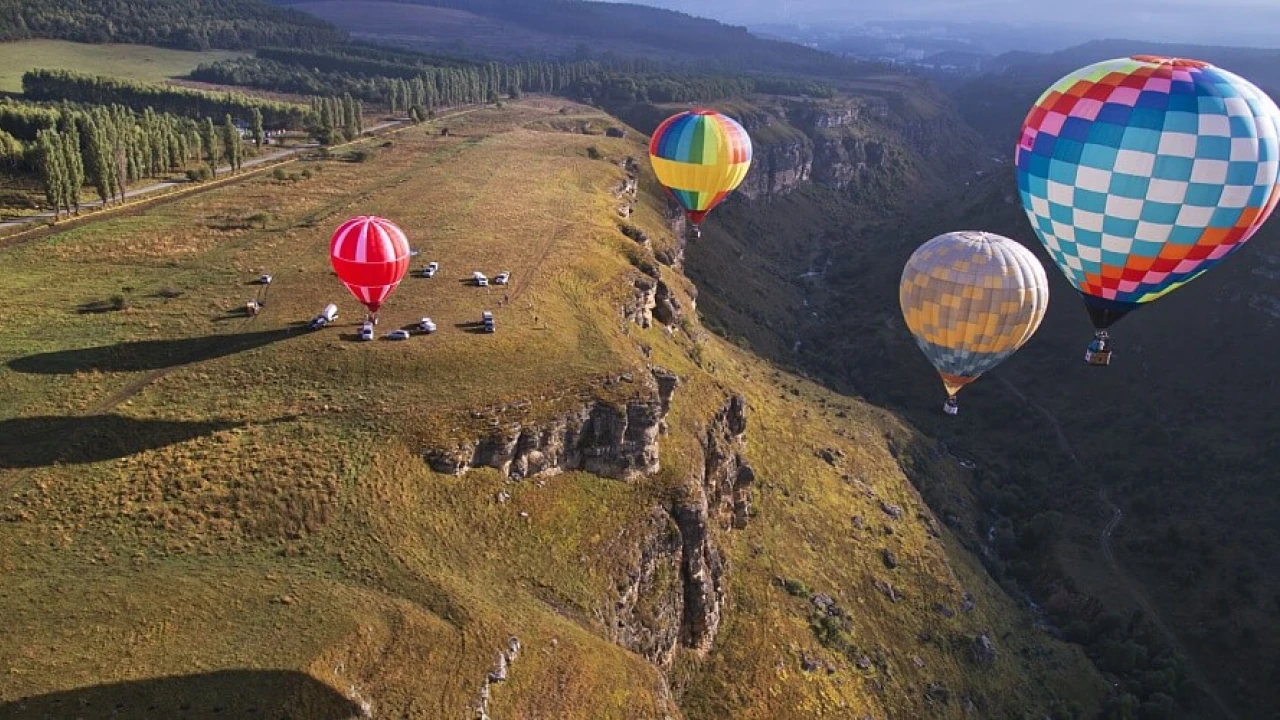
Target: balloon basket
point(1097, 358)
point(1098, 354)
point(951, 406)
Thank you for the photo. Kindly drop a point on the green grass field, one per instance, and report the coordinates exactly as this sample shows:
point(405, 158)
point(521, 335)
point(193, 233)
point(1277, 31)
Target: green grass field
point(134, 62)
point(232, 515)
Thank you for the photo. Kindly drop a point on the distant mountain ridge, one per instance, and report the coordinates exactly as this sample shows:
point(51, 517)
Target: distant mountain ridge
point(995, 102)
point(564, 26)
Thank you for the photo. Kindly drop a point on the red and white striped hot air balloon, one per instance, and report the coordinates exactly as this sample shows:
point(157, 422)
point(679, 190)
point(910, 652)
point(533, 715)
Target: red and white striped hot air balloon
point(370, 256)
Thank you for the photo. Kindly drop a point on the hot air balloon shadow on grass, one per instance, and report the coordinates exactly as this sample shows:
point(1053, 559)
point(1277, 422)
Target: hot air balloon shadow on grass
point(700, 156)
point(1140, 174)
point(971, 299)
point(370, 255)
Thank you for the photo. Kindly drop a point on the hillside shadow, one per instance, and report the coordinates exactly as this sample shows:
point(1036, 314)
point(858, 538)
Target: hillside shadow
point(267, 694)
point(46, 440)
point(147, 354)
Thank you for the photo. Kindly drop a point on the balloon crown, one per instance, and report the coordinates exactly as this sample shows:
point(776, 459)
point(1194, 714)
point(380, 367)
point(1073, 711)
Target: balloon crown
point(1175, 62)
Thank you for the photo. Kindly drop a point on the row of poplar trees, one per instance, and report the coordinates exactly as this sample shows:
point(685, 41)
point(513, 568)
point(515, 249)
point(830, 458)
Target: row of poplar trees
point(337, 118)
point(110, 147)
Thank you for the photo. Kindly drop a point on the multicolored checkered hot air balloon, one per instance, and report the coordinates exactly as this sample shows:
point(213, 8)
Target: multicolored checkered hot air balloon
point(700, 156)
point(370, 256)
point(971, 299)
point(1140, 174)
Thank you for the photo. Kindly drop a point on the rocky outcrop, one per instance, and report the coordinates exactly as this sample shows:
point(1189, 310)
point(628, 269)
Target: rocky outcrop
point(600, 438)
point(639, 308)
point(666, 306)
point(646, 616)
point(716, 501)
point(653, 300)
point(840, 160)
point(499, 674)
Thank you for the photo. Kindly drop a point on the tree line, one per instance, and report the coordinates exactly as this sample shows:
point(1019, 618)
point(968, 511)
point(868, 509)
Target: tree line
point(409, 83)
point(59, 85)
point(182, 24)
point(109, 147)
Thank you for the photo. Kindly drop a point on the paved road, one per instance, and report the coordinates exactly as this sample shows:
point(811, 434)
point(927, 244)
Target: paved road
point(147, 189)
point(1126, 581)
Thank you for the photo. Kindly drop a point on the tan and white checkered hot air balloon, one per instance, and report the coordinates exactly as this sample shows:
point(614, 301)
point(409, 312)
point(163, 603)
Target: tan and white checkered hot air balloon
point(971, 299)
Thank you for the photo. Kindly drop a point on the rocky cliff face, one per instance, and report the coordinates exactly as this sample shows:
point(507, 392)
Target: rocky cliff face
point(714, 502)
point(847, 144)
point(600, 438)
point(778, 168)
point(675, 594)
point(646, 617)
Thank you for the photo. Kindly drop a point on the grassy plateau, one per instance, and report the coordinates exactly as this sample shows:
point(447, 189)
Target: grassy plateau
point(210, 515)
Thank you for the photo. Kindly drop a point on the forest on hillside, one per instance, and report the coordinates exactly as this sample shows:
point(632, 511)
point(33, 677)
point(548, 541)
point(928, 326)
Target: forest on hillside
point(403, 79)
point(182, 24)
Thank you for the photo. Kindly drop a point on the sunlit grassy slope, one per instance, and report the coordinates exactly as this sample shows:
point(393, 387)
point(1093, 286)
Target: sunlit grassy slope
point(135, 62)
point(219, 516)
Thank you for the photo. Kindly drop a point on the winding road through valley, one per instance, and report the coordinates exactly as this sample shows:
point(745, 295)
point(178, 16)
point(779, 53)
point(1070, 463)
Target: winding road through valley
point(1125, 580)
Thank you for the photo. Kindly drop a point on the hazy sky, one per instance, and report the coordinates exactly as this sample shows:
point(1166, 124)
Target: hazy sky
point(1245, 22)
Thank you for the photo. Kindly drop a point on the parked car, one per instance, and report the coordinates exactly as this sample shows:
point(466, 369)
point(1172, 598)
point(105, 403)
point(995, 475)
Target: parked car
point(431, 269)
point(481, 280)
point(426, 325)
point(366, 331)
point(503, 278)
point(489, 325)
point(398, 335)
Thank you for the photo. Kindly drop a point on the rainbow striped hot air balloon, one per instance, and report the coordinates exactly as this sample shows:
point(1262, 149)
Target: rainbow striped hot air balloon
point(1140, 174)
point(700, 156)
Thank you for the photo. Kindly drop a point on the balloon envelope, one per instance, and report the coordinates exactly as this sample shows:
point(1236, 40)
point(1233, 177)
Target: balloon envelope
point(700, 157)
point(370, 256)
point(971, 299)
point(1139, 174)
